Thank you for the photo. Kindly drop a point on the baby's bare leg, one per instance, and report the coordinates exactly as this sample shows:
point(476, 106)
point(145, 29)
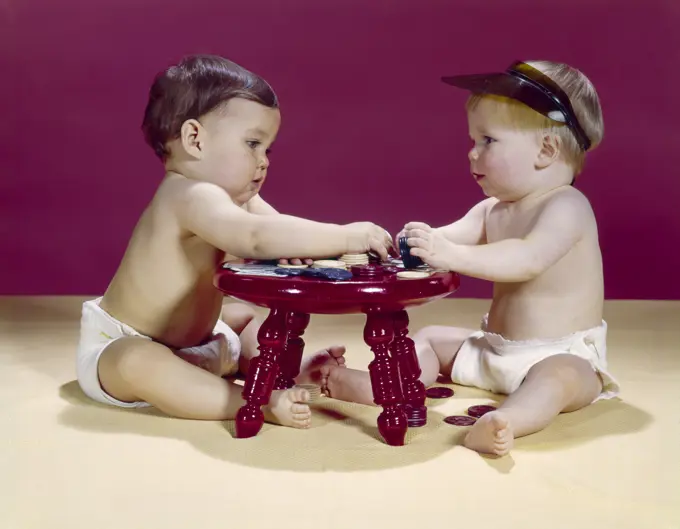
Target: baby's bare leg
point(243, 320)
point(136, 369)
point(560, 383)
point(436, 347)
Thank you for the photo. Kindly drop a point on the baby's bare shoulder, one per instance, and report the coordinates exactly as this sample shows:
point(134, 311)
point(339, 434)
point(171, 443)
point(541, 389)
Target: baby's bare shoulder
point(569, 202)
point(169, 192)
point(175, 189)
point(182, 196)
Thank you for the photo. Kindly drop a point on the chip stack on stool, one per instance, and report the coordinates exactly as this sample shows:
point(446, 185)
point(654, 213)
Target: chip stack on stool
point(353, 259)
point(410, 261)
point(329, 263)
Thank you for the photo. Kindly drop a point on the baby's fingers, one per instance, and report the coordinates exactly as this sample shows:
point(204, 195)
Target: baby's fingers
point(418, 234)
point(417, 226)
point(417, 242)
point(420, 252)
point(379, 247)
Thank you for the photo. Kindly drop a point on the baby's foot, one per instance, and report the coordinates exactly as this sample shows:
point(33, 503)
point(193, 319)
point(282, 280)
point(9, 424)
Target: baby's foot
point(288, 407)
point(491, 434)
point(350, 385)
point(310, 370)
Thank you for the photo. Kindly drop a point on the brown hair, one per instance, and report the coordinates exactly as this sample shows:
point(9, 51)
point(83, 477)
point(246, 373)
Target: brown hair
point(196, 86)
point(584, 100)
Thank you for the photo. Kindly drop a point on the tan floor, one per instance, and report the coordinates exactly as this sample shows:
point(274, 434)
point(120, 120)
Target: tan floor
point(68, 463)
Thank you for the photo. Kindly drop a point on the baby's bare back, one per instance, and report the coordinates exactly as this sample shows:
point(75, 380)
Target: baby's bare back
point(566, 298)
point(163, 287)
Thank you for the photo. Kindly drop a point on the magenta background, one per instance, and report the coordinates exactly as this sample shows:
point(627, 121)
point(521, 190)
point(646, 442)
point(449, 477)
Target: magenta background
point(369, 132)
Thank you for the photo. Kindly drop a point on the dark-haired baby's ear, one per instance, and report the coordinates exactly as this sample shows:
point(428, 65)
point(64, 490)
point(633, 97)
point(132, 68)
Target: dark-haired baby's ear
point(192, 136)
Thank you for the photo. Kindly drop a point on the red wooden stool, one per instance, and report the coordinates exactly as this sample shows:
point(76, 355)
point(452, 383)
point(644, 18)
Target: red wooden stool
point(374, 290)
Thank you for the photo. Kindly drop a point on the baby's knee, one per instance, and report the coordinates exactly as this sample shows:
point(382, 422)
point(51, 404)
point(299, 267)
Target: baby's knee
point(238, 315)
point(126, 365)
point(566, 369)
point(130, 357)
point(427, 333)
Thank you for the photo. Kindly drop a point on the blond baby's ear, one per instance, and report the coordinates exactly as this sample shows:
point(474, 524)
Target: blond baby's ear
point(551, 145)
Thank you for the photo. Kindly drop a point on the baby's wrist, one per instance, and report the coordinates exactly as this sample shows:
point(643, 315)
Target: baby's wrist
point(355, 238)
point(454, 256)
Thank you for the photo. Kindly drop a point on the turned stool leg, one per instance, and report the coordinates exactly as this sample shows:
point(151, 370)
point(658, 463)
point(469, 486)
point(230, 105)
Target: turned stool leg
point(292, 355)
point(262, 374)
point(392, 422)
point(404, 352)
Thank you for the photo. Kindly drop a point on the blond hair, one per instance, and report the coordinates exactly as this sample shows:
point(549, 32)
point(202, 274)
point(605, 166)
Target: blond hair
point(584, 100)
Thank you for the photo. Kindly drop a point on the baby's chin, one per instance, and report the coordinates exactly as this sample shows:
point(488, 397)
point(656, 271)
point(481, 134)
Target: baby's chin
point(246, 195)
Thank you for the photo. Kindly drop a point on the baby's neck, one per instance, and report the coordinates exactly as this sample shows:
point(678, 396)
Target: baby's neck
point(558, 174)
point(551, 178)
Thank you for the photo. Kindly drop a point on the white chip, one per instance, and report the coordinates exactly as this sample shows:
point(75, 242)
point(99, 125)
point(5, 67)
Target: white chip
point(328, 264)
point(413, 274)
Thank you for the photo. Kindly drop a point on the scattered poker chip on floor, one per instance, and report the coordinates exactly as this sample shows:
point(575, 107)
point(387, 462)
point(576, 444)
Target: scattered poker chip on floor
point(439, 392)
point(478, 411)
point(460, 420)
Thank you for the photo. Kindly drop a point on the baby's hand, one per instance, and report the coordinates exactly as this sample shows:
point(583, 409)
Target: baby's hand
point(429, 245)
point(401, 234)
point(296, 261)
point(366, 236)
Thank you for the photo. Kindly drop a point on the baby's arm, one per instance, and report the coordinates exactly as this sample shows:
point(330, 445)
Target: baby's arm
point(207, 211)
point(257, 206)
point(559, 226)
point(471, 228)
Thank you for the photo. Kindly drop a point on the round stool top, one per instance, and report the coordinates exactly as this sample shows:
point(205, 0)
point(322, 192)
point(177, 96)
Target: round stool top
point(373, 287)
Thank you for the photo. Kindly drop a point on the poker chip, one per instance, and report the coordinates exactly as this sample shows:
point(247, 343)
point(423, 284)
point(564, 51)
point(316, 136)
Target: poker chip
point(354, 258)
point(409, 260)
point(439, 392)
point(332, 274)
point(413, 274)
point(478, 411)
point(367, 270)
point(374, 257)
point(328, 263)
point(460, 420)
point(415, 415)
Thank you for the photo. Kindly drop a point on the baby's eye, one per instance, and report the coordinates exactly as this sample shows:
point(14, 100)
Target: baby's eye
point(252, 143)
point(268, 152)
point(488, 139)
